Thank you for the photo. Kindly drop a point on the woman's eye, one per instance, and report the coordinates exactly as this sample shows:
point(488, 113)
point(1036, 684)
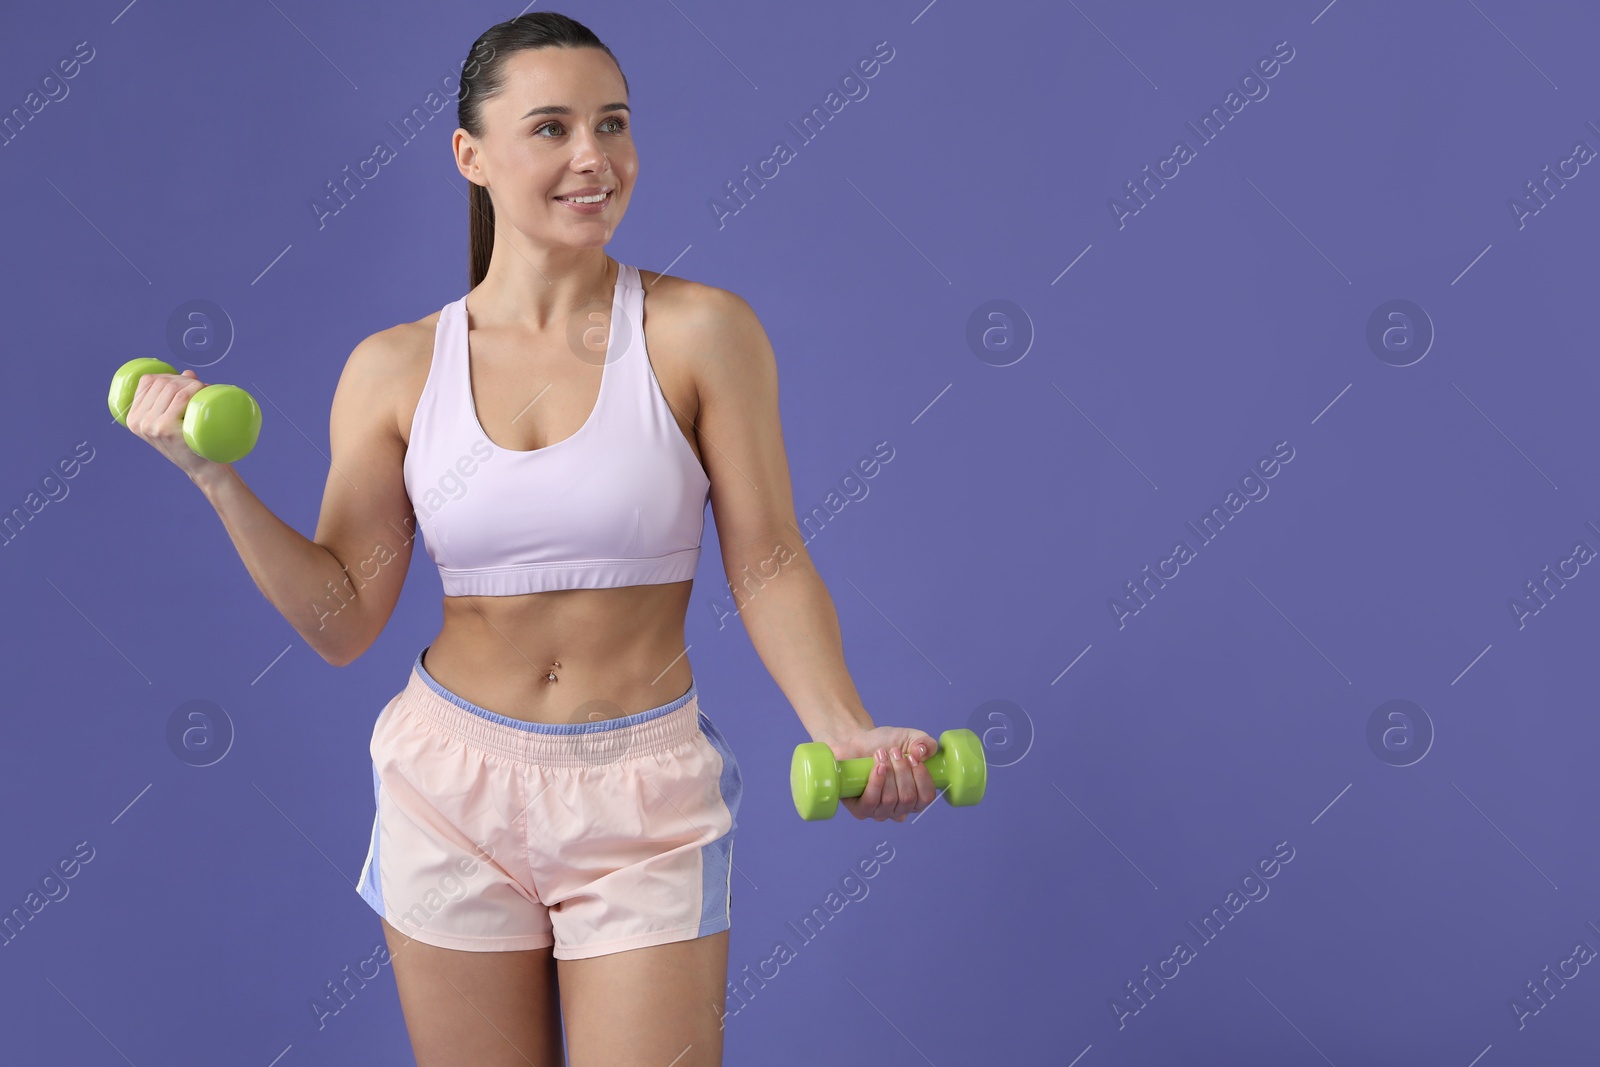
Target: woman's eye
point(620, 125)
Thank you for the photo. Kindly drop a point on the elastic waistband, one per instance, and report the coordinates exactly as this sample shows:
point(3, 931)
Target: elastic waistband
point(574, 744)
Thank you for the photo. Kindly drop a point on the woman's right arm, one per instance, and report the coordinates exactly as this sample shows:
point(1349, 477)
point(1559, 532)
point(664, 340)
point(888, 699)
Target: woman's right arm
point(339, 588)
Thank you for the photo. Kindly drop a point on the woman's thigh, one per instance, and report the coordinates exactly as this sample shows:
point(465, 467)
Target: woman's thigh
point(477, 1009)
point(660, 1006)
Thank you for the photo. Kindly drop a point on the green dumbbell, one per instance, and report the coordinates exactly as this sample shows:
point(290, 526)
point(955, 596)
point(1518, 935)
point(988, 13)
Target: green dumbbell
point(220, 422)
point(818, 780)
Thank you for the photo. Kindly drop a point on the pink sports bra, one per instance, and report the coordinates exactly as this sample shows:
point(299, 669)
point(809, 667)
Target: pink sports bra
point(620, 502)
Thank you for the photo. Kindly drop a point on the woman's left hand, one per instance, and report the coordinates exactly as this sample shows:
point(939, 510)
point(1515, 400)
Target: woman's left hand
point(899, 784)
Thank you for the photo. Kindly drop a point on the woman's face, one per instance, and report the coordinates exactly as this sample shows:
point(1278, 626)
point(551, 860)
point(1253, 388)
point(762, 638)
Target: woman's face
point(553, 131)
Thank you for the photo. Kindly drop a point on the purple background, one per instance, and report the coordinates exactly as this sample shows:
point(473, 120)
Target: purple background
point(1130, 793)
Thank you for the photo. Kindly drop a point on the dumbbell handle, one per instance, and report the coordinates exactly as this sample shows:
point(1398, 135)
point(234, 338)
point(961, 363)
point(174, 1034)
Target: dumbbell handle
point(854, 774)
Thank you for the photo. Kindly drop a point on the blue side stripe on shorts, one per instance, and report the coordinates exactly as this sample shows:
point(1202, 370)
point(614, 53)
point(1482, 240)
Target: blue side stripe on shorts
point(716, 858)
point(371, 888)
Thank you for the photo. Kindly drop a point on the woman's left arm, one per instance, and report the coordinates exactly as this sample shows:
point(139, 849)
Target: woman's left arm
point(777, 592)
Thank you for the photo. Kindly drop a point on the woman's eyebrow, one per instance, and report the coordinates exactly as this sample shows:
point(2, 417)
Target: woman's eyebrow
point(562, 109)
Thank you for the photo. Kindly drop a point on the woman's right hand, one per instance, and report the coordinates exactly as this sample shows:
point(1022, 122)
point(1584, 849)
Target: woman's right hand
point(156, 415)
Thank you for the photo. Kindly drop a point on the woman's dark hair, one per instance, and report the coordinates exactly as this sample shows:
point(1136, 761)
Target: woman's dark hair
point(482, 76)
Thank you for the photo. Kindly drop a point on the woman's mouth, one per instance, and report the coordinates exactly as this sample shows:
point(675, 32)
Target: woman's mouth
point(587, 204)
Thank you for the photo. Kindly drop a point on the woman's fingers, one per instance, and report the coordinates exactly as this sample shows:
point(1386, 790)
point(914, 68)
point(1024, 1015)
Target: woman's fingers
point(927, 792)
point(173, 412)
point(142, 394)
point(159, 400)
point(887, 787)
point(151, 400)
point(866, 805)
point(899, 784)
point(905, 784)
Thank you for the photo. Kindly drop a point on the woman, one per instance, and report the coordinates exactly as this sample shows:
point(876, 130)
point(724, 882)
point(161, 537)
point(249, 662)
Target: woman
point(555, 813)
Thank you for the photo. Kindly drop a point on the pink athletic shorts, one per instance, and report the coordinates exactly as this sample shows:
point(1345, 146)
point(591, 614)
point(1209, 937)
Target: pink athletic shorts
point(494, 833)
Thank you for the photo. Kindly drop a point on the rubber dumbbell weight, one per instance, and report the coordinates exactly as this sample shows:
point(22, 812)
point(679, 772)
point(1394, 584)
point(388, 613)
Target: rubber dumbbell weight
point(220, 422)
point(818, 780)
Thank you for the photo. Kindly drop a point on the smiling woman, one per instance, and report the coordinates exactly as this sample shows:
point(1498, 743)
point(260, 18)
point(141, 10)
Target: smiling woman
point(554, 435)
point(487, 75)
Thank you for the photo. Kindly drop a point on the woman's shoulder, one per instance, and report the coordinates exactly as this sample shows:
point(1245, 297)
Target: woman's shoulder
point(677, 302)
point(401, 344)
point(390, 367)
